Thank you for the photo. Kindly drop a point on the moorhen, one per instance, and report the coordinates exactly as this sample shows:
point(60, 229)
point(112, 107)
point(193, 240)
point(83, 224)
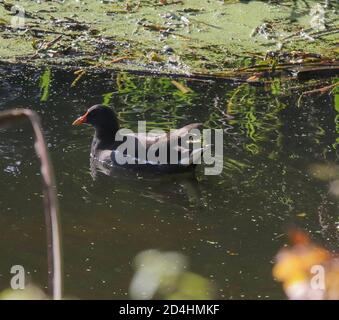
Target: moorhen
point(105, 145)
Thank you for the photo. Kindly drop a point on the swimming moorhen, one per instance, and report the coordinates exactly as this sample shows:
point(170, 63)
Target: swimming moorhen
point(105, 145)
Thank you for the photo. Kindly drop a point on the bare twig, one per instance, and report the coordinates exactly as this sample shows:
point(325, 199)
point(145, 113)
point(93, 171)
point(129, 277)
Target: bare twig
point(321, 90)
point(54, 41)
point(47, 45)
point(184, 89)
point(79, 73)
point(119, 59)
point(7, 118)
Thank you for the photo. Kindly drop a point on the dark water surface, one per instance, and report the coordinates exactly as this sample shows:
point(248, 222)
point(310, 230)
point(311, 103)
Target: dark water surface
point(229, 227)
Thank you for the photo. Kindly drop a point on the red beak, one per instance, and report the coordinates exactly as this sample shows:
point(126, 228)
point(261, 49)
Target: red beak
point(80, 120)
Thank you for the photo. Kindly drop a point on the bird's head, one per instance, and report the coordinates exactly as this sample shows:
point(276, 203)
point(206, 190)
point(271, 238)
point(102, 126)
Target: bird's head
point(99, 116)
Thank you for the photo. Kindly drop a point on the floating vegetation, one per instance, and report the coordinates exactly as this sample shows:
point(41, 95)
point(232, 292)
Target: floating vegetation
point(200, 36)
point(268, 80)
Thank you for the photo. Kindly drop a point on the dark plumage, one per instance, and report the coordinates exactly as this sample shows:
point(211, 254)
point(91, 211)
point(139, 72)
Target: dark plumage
point(104, 145)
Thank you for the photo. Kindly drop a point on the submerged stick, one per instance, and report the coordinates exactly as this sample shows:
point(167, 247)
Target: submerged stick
point(8, 118)
point(184, 89)
point(321, 90)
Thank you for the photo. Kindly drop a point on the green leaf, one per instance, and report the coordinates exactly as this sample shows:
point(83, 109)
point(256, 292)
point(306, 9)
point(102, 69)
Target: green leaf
point(336, 102)
point(45, 82)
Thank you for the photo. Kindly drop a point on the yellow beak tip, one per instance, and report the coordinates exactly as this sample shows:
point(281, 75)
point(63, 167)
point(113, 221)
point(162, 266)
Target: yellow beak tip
point(78, 121)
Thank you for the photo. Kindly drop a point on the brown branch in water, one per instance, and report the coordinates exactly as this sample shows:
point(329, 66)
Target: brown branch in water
point(37, 30)
point(79, 73)
point(54, 41)
point(119, 59)
point(154, 27)
point(8, 118)
point(47, 45)
point(321, 90)
point(167, 3)
point(184, 89)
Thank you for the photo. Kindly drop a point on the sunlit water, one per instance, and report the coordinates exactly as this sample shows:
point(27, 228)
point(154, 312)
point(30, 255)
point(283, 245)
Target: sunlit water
point(229, 227)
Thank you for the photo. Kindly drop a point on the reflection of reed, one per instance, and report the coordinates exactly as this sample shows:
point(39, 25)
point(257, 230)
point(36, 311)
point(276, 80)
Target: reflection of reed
point(7, 118)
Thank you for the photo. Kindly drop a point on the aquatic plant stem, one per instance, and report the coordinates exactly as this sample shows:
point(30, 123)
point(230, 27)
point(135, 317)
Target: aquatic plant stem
point(51, 212)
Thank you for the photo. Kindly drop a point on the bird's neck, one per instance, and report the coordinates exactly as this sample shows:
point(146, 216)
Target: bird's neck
point(104, 138)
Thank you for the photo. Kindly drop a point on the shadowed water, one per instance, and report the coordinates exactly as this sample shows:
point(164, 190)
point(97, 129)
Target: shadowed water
point(229, 226)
